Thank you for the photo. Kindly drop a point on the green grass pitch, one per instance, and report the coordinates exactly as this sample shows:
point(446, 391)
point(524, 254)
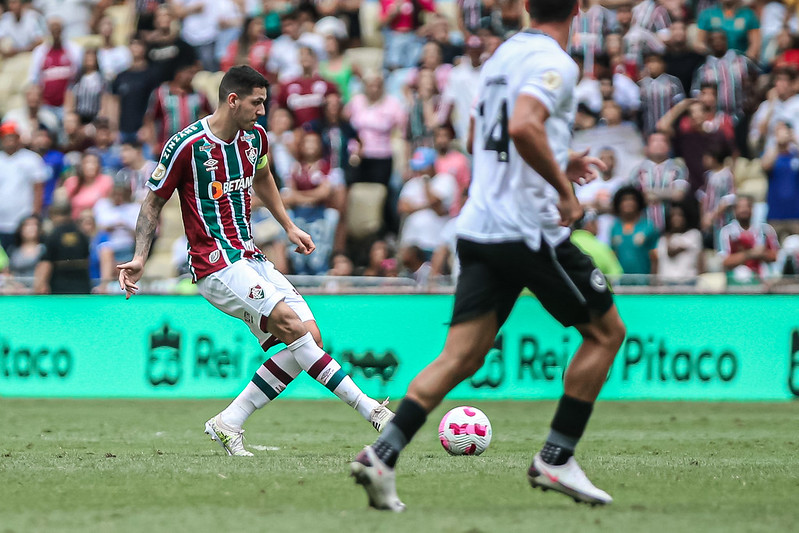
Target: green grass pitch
point(114, 465)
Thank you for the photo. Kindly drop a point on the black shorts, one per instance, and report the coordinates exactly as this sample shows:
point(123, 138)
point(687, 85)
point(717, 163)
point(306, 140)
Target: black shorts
point(564, 279)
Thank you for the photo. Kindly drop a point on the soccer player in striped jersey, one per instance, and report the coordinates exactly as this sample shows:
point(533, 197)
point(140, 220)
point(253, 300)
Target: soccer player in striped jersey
point(215, 164)
point(513, 232)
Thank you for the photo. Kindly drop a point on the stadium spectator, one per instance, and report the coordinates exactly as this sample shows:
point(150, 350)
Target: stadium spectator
point(585, 238)
point(32, 116)
point(337, 69)
point(681, 60)
point(590, 29)
point(732, 72)
point(451, 161)
point(633, 237)
point(54, 65)
point(659, 92)
point(200, 27)
point(587, 92)
point(416, 265)
point(88, 184)
point(747, 246)
point(75, 136)
point(22, 175)
point(399, 20)
point(679, 249)
point(116, 217)
point(136, 169)
point(105, 146)
point(780, 104)
point(282, 142)
point(470, 15)
point(375, 116)
point(230, 20)
point(26, 252)
point(85, 95)
point(660, 178)
point(425, 201)
point(622, 90)
point(284, 59)
point(130, 92)
point(64, 268)
point(173, 106)
point(718, 195)
point(251, 48)
point(381, 263)
point(597, 195)
point(739, 24)
point(423, 111)
point(307, 194)
point(111, 57)
point(438, 33)
point(432, 58)
point(653, 17)
point(304, 95)
point(781, 162)
point(21, 28)
point(167, 52)
point(506, 18)
point(76, 15)
point(461, 89)
point(341, 265)
point(44, 144)
point(635, 41)
point(693, 125)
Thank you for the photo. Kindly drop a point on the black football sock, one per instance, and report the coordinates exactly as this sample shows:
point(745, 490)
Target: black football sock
point(398, 433)
point(568, 426)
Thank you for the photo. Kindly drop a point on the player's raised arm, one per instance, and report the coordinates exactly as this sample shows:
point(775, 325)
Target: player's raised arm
point(527, 128)
point(265, 187)
point(146, 224)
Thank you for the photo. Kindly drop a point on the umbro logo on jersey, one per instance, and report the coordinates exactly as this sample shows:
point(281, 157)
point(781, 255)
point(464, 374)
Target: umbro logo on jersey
point(210, 163)
point(256, 293)
point(217, 189)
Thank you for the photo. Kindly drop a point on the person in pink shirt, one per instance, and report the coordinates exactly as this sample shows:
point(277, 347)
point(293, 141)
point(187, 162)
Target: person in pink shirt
point(375, 115)
point(399, 20)
point(87, 185)
point(452, 162)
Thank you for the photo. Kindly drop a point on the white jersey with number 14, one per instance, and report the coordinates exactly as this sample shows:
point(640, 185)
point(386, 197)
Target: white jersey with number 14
point(508, 200)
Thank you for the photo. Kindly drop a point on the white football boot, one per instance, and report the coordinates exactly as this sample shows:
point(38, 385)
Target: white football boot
point(568, 479)
point(377, 479)
point(231, 441)
point(381, 416)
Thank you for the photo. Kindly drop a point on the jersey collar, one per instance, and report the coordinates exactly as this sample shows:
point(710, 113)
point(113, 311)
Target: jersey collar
point(207, 129)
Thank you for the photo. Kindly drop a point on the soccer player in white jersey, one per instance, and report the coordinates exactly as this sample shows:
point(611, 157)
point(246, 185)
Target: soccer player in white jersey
point(215, 164)
point(513, 233)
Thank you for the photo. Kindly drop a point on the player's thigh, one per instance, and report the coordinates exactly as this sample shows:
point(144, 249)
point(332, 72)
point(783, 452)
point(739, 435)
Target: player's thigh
point(486, 284)
point(568, 283)
point(288, 292)
point(242, 292)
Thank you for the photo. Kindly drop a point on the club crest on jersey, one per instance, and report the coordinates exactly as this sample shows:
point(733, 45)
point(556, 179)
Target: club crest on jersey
point(252, 154)
point(256, 293)
point(214, 256)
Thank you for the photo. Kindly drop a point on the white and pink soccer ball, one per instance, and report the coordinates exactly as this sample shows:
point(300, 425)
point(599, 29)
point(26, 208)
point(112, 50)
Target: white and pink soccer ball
point(465, 431)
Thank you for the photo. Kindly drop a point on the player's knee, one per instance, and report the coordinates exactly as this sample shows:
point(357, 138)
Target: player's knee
point(318, 338)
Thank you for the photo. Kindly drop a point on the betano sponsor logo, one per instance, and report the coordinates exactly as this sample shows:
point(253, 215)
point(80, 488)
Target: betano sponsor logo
point(217, 189)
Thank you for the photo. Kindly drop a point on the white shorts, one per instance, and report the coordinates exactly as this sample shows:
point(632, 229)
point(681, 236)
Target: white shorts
point(249, 290)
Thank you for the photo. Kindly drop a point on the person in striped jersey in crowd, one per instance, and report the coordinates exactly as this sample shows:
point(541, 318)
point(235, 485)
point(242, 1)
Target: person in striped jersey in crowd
point(652, 16)
point(718, 195)
point(215, 164)
point(659, 92)
point(590, 28)
point(660, 178)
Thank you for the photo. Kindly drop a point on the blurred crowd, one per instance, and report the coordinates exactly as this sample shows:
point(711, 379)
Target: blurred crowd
point(693, 105)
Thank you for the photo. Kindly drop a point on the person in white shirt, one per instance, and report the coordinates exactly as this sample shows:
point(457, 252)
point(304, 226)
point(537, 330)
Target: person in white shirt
point(461, 89)
point(200, 28)
point(424, 201)
point(117, 217)
point(32, 115)
point(112, 58)
point(598, 194)
point(75, 14)
point(22, 177)
point(514, 233)
point(23, 28)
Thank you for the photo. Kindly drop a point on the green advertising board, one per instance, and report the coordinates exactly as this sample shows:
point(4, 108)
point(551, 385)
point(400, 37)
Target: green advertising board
point(678, 347)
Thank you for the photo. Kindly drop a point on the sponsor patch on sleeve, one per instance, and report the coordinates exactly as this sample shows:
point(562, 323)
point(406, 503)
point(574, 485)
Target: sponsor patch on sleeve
point(159, 172)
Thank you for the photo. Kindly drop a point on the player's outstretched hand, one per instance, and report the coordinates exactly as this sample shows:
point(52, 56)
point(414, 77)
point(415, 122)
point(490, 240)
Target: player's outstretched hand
point(129, 274)
point(303, 241)
point(583, 168)
point(570, 210)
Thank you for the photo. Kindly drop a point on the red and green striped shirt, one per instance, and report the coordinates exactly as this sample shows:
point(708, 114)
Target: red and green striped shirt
point(214, 180)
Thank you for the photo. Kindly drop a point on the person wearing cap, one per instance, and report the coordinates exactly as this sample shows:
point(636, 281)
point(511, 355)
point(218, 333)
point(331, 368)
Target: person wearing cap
point(22, 177)
point(424, 202)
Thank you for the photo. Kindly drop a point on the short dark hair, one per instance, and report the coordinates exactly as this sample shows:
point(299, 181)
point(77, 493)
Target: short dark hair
point(718, 151)
point(628, 190)
point(708, 85)
point(241, 79)
point(551, 10)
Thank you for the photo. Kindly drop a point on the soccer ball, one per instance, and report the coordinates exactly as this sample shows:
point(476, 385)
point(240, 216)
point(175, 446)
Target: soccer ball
point(465, 431)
